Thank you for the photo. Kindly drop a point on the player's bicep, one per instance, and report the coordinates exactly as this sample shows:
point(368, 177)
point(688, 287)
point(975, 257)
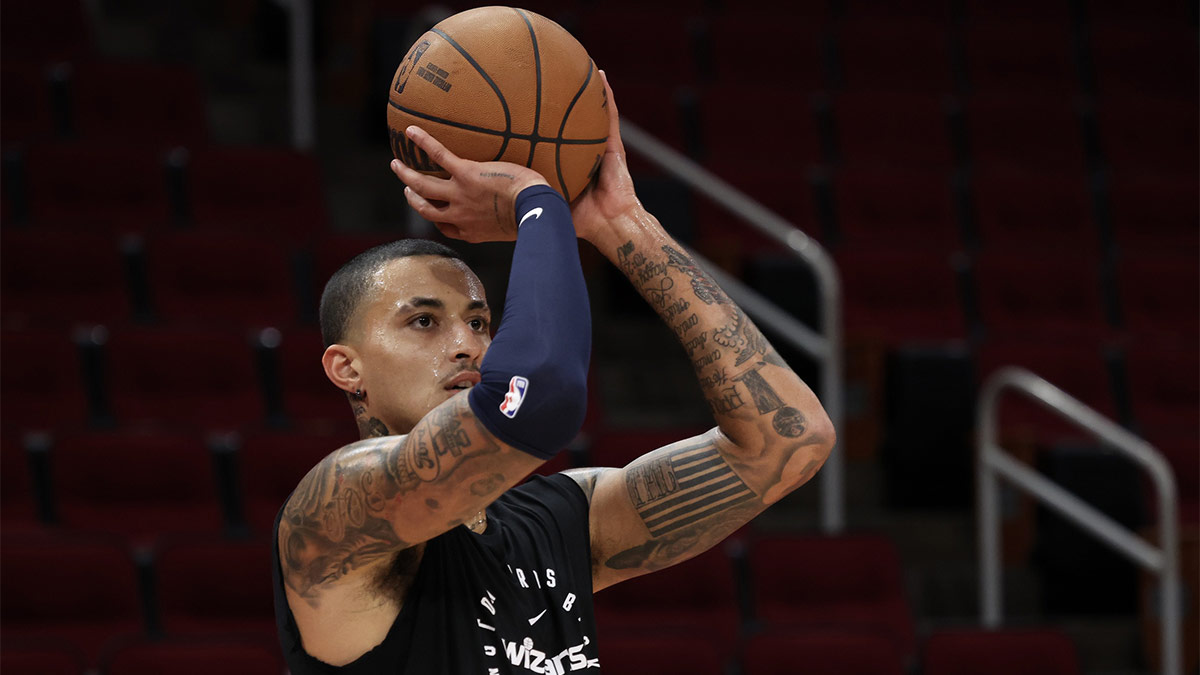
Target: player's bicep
point(668, 506)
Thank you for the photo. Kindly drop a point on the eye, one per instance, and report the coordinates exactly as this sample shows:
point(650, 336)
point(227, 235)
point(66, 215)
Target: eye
point(478, 325)
point(422, 321)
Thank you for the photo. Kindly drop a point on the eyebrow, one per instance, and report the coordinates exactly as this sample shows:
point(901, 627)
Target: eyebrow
point(435, 303)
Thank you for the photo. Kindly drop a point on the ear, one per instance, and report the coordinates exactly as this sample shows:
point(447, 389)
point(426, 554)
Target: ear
point(341, 367)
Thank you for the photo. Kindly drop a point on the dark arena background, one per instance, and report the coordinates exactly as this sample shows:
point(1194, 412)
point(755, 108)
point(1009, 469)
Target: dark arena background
point(997, 183)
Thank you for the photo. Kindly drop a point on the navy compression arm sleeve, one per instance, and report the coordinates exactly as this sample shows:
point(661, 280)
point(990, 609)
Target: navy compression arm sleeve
point(533, 391)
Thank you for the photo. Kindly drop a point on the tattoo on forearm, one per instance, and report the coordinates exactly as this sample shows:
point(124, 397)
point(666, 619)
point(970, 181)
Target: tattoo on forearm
point(788, 421)
point(742, 337)
point(705, 288)
point(337, 520)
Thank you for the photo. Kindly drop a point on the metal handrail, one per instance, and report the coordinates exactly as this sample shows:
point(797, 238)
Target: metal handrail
point(994, 463)
point(826, 347)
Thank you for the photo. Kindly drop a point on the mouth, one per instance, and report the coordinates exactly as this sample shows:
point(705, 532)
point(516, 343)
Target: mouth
point(464, 380)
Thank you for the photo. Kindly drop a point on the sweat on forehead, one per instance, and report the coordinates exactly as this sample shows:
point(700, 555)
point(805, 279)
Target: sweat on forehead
point(347, 288)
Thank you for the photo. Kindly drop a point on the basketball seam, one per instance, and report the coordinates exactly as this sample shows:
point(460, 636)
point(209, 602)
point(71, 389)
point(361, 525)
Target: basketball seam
point(563, 127)
point(487, 78)
point(496, 132)
point(537, 101)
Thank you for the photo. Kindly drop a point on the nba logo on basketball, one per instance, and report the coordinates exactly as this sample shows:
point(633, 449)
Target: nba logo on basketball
point(517, 387)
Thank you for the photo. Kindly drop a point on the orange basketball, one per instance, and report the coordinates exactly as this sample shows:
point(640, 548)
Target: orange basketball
point(502, 84)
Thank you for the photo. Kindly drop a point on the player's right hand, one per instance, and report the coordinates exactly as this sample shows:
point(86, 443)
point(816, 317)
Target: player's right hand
point(476, 203)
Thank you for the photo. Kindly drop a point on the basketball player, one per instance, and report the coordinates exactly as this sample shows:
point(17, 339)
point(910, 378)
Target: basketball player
point(411, 551)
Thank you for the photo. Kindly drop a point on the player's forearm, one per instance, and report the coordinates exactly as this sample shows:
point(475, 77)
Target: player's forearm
point(758, 401)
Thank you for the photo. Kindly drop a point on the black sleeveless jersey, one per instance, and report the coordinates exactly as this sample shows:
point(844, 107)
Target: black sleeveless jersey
point(516, 599)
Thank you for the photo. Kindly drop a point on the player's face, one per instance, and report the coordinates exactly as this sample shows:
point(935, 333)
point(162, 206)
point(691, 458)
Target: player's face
point(422, 333)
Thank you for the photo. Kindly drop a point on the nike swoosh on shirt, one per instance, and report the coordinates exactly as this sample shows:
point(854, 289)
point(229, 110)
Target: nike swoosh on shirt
point(535, 619)
point(535, 212)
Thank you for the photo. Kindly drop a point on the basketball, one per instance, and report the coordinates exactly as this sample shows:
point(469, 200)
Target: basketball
point(502, 84)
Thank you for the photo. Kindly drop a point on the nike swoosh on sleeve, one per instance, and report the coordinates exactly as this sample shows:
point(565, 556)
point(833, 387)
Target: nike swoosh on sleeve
point(536, 212)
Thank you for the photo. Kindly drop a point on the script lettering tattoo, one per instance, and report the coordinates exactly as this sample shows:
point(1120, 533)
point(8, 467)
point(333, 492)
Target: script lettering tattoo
point(726, 401)
point(496, 174)
point(337, 519)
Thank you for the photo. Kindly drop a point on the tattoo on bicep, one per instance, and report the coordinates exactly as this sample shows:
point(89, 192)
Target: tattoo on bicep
point(683, 488)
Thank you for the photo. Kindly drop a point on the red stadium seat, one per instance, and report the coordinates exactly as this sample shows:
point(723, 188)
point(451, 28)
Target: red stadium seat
point(899, 130)
point(137, 485)
point(42, 657)
point(272, 464)
point(619, 447)
point(309, 397)
point(1155, 212)
point(1024, 132)
point(1018, 210)
point(1043, 63)
point(656, 109)
point(1159, 295)
point(696, 598)
point(78, 591)
point(666, 29)
point(138, 103)
point(1150, 135)
point(896, 297)
point(194, 601)
point(196, 656)
point(791, 58)
point(18, 510)
point(893, 210)
point(1151, 56)
point(196, 378)
point(39, 32)
point(898, 55)
point(257, 190)
point(85, 283)
point(40, 366)
point(1164, 393)
point(727, 121)
point(1077, 369)
point(822, 653)
point(125, 191)
point(215, 278)
point(844, 583)
point(1039, 294)
point(1033, 11)
point(977, 652)
point(25, 103)
point(661, 654)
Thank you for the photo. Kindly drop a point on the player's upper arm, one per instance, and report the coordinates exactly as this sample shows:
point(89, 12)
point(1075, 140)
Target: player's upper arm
point(371, 499)
point(679, 500)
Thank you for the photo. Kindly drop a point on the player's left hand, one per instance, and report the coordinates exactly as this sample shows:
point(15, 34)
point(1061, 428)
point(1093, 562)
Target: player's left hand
point(476, 203)
point(611, 197)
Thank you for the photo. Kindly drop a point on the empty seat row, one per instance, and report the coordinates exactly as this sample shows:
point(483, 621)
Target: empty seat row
point(111, 186)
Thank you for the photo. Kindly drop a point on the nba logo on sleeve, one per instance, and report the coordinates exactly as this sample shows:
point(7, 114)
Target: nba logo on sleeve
point(517, 387)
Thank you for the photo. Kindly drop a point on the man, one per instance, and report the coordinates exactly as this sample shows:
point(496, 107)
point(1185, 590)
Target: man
point(411, 551)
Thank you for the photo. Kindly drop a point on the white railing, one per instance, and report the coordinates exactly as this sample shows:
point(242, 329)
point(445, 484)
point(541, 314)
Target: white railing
point(993, 463)
point(825, 347)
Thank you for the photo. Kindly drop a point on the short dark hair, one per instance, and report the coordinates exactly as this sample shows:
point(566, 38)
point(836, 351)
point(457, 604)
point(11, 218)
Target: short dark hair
point(346, 288)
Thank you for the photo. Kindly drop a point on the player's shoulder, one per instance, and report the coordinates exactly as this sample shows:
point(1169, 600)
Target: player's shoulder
point(586, 478)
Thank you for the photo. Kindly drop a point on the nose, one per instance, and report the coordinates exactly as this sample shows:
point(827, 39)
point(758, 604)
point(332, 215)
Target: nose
point(468, 345)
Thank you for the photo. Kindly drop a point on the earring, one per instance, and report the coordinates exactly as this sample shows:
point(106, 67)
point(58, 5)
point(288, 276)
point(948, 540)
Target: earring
point(358, 394)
